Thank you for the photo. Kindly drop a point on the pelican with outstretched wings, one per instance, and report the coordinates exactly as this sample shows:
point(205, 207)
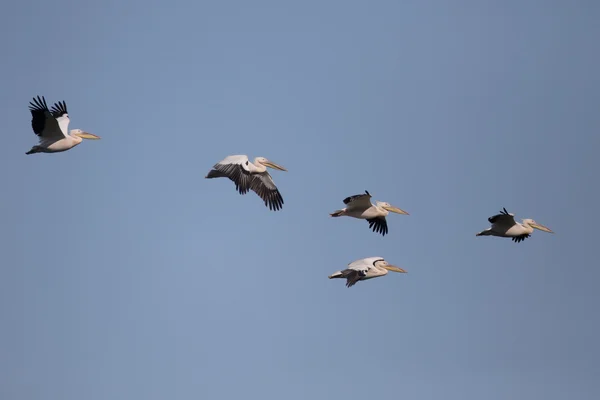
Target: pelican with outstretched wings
point(363, 269)
point(504, 225)
point(52, 128)
point(250, 176)
point(359, 206)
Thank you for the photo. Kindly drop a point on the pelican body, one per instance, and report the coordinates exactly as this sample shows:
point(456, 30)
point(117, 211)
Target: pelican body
point(504, 225)
point(52, 126)
point(360, 206)
point(250, 176)
point(363, 269)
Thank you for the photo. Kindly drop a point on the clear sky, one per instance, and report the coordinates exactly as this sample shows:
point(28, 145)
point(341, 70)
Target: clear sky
point(124, 274)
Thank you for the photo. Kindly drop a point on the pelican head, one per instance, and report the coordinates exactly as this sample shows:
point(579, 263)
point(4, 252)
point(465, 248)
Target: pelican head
point(267, 163)
point(390, 208)
point(535, 225)
point(384, 264)
point(84, 135)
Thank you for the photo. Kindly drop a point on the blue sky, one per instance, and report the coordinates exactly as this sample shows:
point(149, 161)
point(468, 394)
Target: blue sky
point(126, 275)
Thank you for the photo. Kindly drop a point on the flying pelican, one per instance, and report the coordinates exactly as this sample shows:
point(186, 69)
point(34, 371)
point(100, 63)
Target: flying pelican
point(504, 225)
point(250, 176)
point(366, 268)
point(52, 128)
point(359, 206)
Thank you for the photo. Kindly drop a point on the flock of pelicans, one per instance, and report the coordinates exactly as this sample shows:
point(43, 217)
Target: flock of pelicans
point(51, 126)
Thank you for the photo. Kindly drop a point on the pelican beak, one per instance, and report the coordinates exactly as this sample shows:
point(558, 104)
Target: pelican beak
point(396, 210)
point(87, 135)
point(273, 165)
point(542, 228)
point(393, 268)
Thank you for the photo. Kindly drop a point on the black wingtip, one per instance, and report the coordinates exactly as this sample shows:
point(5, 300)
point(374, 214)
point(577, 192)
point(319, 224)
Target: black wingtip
point(378, 226)
point(59, 109)
point(367, 192)
point(38, 104)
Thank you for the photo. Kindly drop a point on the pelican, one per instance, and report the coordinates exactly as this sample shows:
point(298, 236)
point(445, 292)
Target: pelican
point(250, 176)
point(363, 269)
point(504, 225)
point(52, 128)
point(359, 206)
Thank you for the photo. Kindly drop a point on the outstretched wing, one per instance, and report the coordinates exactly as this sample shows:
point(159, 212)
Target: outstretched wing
point(379, 225)
point(43, 123)
point(236, 169)
point(358, 201)
point(264, 186)
point(504, 219)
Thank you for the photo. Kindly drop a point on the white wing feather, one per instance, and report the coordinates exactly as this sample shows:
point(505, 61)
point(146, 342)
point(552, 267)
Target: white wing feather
point(363, 264)
point(237, 160)
point(63, 123)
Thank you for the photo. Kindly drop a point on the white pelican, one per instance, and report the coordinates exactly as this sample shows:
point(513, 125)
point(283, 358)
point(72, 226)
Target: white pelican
point(359, 206)
point(52, 128)
point(366, 268)
point(250, 176)
point(504, 225)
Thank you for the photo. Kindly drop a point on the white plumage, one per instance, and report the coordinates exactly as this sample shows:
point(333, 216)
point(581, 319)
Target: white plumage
point(365, 268)
point(250, 176)
point(504, 225)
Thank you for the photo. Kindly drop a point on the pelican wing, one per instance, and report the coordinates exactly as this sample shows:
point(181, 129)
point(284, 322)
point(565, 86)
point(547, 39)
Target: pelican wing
point(360, 265)
point(365, 262)
point(360, 201)
point(43, 122)
point(353, 275)
point(503, 219)
point(264, 186)
point(236, 169)
point(356, 271)
point(378, 225)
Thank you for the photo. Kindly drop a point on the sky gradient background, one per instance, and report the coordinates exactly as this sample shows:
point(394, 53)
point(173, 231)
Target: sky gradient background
point(124, 274)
